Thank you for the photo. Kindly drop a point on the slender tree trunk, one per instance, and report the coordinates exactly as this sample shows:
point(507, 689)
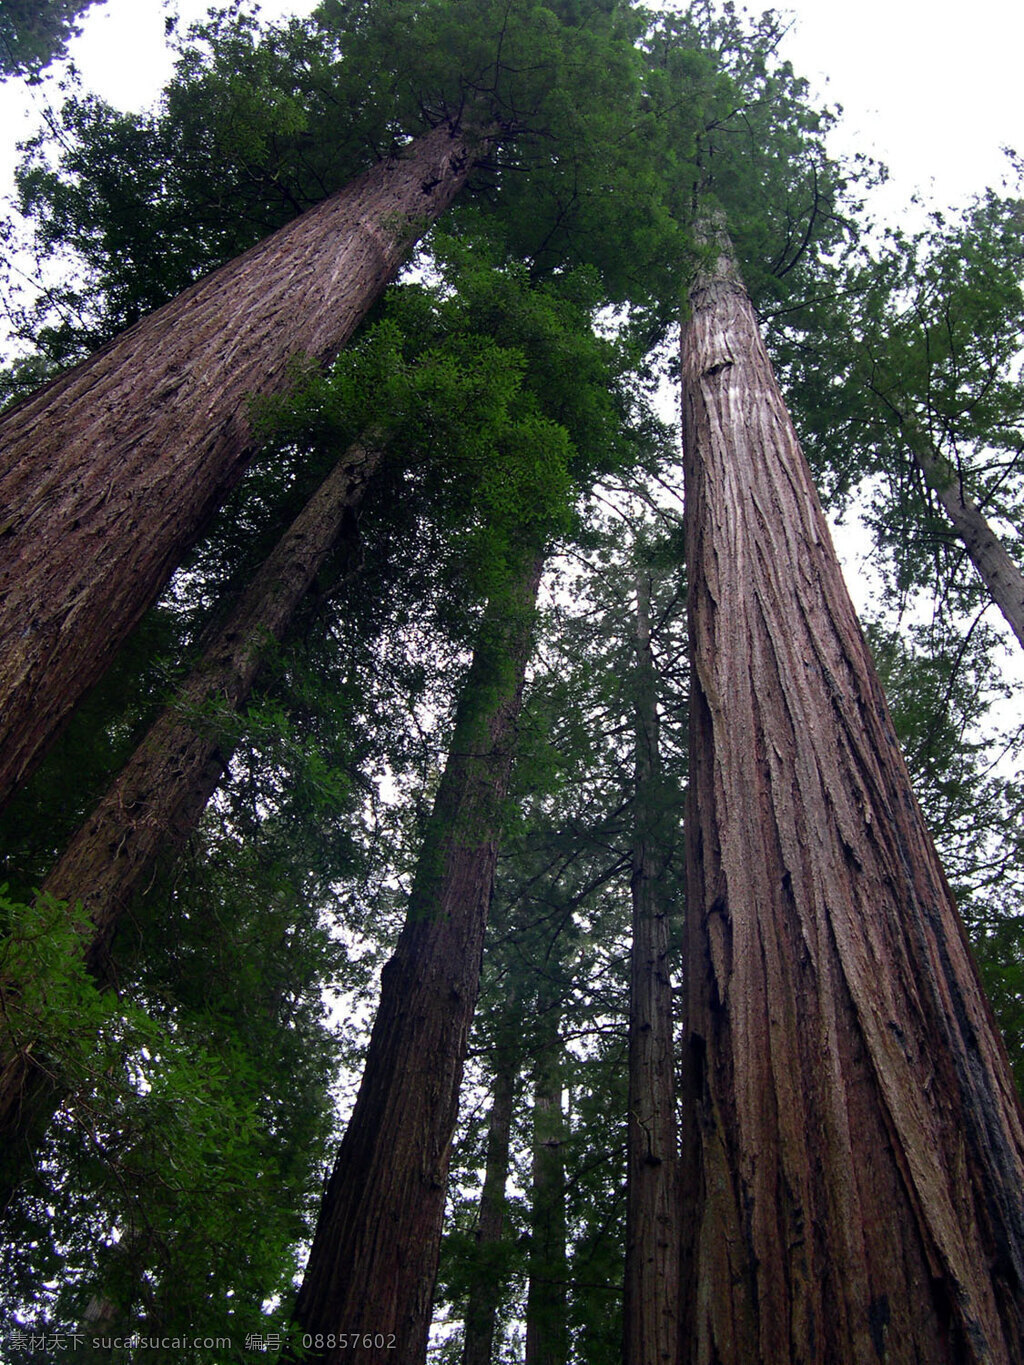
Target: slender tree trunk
point(485, 1292)
point(547, 1341)
point(109, 473)
point(651, 1328)
point(854, 1149)
point(995, 566)
point(161, 792)
point(374, 1258)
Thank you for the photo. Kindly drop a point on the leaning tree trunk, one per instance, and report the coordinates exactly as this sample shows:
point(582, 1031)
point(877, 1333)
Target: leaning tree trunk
point(161, 792)
point(547, 1338)
point(854, 1149)
point(996, 568)
point(108, 473)
point(366, 1295)
point(486, 1288)
point(651, 1321)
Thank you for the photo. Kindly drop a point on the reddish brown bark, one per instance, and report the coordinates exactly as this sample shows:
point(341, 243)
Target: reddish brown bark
point(108, 473)
point(159, 795)
point(547, 1336)
point(374, 1258)
point(651, 1317)
point(854, 1149)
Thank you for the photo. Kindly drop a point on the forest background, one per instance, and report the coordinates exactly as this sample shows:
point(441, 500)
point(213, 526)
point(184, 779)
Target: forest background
point(218, 1085)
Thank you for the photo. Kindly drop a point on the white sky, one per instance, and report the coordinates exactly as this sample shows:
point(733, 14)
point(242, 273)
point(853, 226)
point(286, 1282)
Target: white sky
point(930, 87)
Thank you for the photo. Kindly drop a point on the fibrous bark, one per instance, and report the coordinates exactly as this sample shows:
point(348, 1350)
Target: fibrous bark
point(853, 1149)
point(374, 1257)
point(161, 792)
point(486, 1289)
point(109, 473)
point(996, 568)
point(651, 1326)
point(547, 1340)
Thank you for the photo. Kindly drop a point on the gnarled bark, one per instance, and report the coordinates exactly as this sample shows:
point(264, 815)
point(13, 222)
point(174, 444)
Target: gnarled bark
point(109, 473)
point(651, 1319)
point(854, 1148)
point(162, 790)
point(374, 1258)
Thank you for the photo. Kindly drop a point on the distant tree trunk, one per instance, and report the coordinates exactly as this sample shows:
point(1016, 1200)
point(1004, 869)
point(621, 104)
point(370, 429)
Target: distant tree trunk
point(374, 1258)
point(486, 1289)
point(547, 1341)
point(109, 473)
point(651, 1327)
point(995, 566)
point(161, 792)
point(854, 1148)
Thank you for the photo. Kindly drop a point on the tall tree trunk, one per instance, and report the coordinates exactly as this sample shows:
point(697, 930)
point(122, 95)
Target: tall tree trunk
point(159, 795)
point(486, 1289)
point(995, 566)
point(109, 473)
point(547, 1341)
point(374, 1258)
point(854, 1148)
point(651, 1327)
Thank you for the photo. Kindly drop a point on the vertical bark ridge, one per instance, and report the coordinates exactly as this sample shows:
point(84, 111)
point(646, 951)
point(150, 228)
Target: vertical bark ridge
point(651, 1325)
point(547, 1337)
point(854, 1148)
point(159, 795)
point(109, 473)
point(375, 1251)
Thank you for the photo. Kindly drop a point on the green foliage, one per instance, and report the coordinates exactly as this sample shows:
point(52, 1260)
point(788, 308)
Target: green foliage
point(184, 1166)
point(34, 33)
point(496, 392)
point(942, 692)
point(259, 122)
point(49, 1004)
point(926, 330)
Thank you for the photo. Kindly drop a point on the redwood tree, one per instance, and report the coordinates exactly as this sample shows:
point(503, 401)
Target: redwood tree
point(652, 1212)
point(371, 1270)
point(159, 795)
point(547, 1334)
point(854, 1148)
point(110, 471)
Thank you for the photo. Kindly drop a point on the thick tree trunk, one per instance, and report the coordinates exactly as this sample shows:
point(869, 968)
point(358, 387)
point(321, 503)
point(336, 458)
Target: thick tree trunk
point(485, 1292)
point(853, 1149)
point(367, 1290)
point(547, 1339)
point(995, 566)
point(109, 473)
point(651, 1326)
point(159, 795)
